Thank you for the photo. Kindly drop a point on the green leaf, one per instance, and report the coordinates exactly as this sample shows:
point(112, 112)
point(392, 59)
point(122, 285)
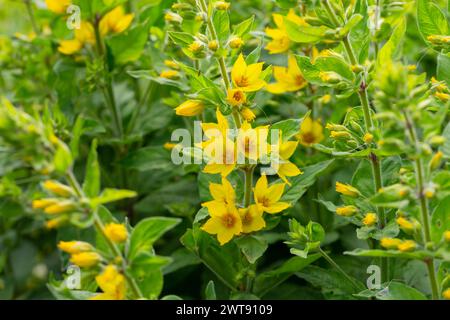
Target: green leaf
point(392, 47)
point(129, 45)
point(443, 68)
point(446, 146)
point(268, 280)
point(91, 184)
point(304, 34)
point(111, 195)
point(301, 183)
point(210, 291)
point(252, 247)
point(430, 19)
point(440, 220)
point(63, 158)
point(394, 291)
point(147, 231)
point(77, 131)
point(181, 38)
point(288, 128)
point(148, 158)
point(221, 22)
point(389, 254)
point(241, 29)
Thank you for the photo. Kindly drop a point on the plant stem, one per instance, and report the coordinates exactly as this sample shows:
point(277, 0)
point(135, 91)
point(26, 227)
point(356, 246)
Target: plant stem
point(100, 227)
point(338, 268)
point(420, 177)
point(248, 185)
point(137, 111)
point(31, 15)
point(220, 60)
point(369, 124)
point(108, 90)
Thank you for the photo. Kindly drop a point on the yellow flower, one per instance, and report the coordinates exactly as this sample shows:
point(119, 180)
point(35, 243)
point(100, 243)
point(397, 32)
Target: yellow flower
point(74, 247)
point(112, 283)
point(115, 21)
point(368, 138)
point(440, 86)
point(447, 236)
point(390, 243)
point(326, 99)
point(56, 222)
point(195, 47)
point(225, 222)
point(58, 6)
point(173, 17)
point(311, 132)
point(288, 79)
point(247, 114)
point(222, 194)
point(405, 224)
point(252, 219)
point(169, 145)
point(347, 190)
point(85, 259)
point(44, 203)
point(446, 294)
point(60, 207)
point(370, 219)
point(444, 97)
point(222, 5)
point(247, 77)
point(268, 198)
point(58, 188)
point(285, 167)
point(190, 108)
point(213, 45)
point(84, 35)
point(407, 245)
point(236, 97)
point(436, 160)
point(116, 232)
point(340, 135)
point(171, 64)
point(236, 43)
point(346, 211)
point(280, 40)
point(252, 142)
point(170, 74)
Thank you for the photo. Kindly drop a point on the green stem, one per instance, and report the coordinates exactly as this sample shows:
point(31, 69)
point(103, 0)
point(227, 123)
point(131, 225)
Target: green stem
point(248, 186)
point(31, 15)
point(420, 177)
point(369, 125)
point(100, 227)
point(137, 111)
point(220, 60)
point(338, 268)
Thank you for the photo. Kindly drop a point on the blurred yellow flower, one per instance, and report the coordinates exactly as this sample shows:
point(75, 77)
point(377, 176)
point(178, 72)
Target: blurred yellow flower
point(236, 43)
point(58, 188)
point(74, 247)
point(311, 132)
point(285, 167)
point(370, 219)
point(116, 232)
point(390, 243)
point(347, 190)
point(84, 35)
point(446, 294)
point(225, 222)
point(407, 245)
point(58, 6)
point(252, 219)
point(280, 40)
point(190, 108)
point(288, 79)
point(44, 203)
point(60, 207)
point(112, 283)
point(170, 74)
point(268, 198)
point(247, 77)
point(247, 114)
point(85, 259)
point(115, 21)
point(346, 211)
point(236, 97)
point(447, 236)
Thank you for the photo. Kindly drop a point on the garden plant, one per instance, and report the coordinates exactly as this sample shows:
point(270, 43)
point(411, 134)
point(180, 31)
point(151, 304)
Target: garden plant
point(205, 149)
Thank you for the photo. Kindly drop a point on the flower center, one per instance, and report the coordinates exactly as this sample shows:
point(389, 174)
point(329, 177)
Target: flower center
point(265, 202)
point(238, 96)
point(247, 219)
point(308, 137)
point(228, 220)
point(243, 81)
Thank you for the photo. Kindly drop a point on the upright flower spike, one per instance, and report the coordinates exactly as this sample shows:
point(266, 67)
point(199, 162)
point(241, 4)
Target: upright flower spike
point(225, 222)
point(247, 77)
point(268, 198)
point(112, 283)
point(115, 21)
point(58, 6)
point(252, 219)
point(280, 40)
point(311, 132)
point(288, 79)
point(222, 194)
point(116, 232)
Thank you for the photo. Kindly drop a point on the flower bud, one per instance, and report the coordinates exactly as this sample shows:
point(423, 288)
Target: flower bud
point(436, 160)
point(170, 74)
point(172, 17)
point(325, 99)
point(248, 114)
point(116, 232)
point(407, 246)
point(85, 259)
point(171, 64)
point(390, 243)
point(61, 207)
point(56, 222)
point(447, 236)
point(368, 138)
point(446, 294)
point(44, 203)
point(370, 219)
point(74, 247)
point(213, 45)
point(357, 68)
point(197, 48)
point(236, 43)
point(335, 127)
point(330, 77)
point(408, 226)
point(429, 192)
point(340, 135)
point(222, 5)
point(444, 97)
point(436, 141)
point(58, 188)
point(347, 190)
point(190, 108)
point(347, 211)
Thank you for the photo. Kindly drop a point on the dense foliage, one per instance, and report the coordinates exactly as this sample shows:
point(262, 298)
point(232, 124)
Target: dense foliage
point(204, 149)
